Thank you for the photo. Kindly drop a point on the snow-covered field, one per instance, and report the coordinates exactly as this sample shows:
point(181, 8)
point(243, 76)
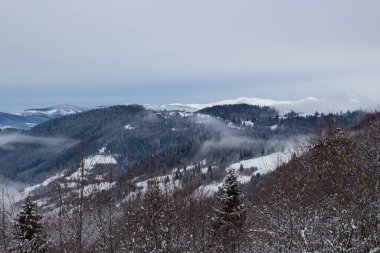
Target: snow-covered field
point(264, 165)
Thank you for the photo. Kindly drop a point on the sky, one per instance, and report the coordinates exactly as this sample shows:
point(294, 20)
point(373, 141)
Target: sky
point(97, 52)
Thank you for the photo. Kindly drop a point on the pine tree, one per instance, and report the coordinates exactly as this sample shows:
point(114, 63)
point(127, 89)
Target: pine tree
point(29, 235)
point(231, 213)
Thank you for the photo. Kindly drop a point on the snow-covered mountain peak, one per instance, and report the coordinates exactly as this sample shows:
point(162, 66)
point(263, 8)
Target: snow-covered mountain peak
point(64, 109)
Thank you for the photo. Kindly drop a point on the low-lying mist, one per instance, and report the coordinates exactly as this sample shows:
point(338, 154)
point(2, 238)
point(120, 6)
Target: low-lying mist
point(9, 141)
point(230, 138)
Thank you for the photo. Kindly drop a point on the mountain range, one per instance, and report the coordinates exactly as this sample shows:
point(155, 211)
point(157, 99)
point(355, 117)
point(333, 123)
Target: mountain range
point(308, 105)
point(30, 117)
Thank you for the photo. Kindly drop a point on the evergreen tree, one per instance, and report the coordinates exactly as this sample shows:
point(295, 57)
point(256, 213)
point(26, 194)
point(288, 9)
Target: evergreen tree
point(231, 213)
point(29, 236)
point(241, 169)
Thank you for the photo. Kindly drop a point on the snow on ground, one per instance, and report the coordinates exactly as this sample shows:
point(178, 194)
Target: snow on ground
point(160, 180)
point(30, 189)
point(231, 125)
point(129, 127)
point(191, 167)
point(185, 114)
point(182, 114)
point(164, 182)
point(247, 123)
point(31, 124)
point(99, 178)
point(208, 189)
point(89, 164)
point(204, 170)
point(42, 202)
point(264, 164)
point(274, 127)
point(102, 150)
point(98, 187)
point(69, 185)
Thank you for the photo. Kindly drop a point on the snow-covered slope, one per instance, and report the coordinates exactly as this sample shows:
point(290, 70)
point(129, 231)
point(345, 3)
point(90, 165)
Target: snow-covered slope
point(70, 181)
point(262, 165)
point(59, 110)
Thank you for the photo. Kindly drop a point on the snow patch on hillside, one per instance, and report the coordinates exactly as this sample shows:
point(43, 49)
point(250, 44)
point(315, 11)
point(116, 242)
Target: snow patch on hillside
point(30, 189)
point(247, 123)
point(102, 150)
point(98, 187)
point(232, 125)
point(89, 163)
point(263, 165)
point(274, 127)
point(129, 127)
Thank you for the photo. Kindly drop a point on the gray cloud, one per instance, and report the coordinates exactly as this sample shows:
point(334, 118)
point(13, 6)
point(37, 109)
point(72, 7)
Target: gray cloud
point(160, 51)
point(8, 141)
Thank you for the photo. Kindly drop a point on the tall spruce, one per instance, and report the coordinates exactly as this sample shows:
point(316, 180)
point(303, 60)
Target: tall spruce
point(29, 233)
point(230, 214)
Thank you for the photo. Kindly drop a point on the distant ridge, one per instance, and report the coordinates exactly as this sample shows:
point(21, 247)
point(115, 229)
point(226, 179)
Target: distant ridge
point(64, 109)
point(308, 105)
point(30, 117)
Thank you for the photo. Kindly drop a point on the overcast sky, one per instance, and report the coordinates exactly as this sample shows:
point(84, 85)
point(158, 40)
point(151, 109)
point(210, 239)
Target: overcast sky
point(95, 52)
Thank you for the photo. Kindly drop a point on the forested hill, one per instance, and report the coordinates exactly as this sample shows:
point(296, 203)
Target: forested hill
point(131, 133)
point(265, 121)
point(136, 136)
point(242, 112)
point(325, 199)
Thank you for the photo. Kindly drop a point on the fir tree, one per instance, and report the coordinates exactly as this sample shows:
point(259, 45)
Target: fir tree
point(241, 169)
point(29, 235)
point(231, 213)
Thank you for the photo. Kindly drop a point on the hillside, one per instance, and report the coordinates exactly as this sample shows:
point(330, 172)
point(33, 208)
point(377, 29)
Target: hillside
point(132, 134)
point(325, 198)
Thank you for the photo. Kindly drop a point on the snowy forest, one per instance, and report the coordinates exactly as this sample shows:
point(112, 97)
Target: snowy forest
point(189, 126)
point(325, 199)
